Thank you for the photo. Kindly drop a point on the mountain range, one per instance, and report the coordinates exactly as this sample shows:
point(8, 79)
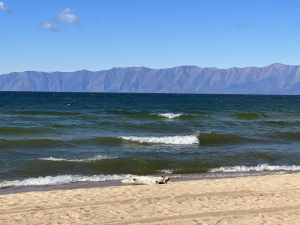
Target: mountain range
point(273, 79)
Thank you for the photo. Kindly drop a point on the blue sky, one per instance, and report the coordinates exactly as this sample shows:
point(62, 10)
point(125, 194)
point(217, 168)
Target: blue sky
point(69, 35)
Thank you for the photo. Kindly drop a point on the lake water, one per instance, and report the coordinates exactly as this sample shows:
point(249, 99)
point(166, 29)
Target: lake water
point(62, 138)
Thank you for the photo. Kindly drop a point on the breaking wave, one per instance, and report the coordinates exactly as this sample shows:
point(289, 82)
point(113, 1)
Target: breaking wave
point(260, 167)
point(99, 157)
point(61, 179)
point(166, 171)
point(170, 115)
point(171, 140)
point(202, 138)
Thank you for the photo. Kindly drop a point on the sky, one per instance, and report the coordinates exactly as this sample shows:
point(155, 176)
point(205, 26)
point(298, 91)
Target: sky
point(69, 35)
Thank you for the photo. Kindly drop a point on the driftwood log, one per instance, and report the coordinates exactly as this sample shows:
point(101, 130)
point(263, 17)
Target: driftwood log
point(146, 180)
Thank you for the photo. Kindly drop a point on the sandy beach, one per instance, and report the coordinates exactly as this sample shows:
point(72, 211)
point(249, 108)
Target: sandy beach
point(273, 199)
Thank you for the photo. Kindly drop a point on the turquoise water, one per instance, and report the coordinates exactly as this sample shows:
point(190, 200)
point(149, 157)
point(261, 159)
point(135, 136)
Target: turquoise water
point(59, 138)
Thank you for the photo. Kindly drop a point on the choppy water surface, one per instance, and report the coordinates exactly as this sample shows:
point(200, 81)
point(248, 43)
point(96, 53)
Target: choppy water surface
point(59, 138)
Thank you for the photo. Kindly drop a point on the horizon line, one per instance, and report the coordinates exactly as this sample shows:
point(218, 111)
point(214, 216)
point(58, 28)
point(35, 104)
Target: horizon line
point(149, 68)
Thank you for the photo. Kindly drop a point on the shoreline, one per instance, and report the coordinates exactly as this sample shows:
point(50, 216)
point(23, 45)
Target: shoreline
point(109, 183)
point(273, 199)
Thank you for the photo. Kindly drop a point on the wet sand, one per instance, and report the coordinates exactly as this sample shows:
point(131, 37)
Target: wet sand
point(271, 199)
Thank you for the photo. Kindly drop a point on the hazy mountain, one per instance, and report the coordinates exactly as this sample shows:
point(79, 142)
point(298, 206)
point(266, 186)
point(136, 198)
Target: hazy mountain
point(273, 79)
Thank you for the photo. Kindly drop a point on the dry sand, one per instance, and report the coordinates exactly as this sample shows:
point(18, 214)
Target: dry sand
point(273, 199)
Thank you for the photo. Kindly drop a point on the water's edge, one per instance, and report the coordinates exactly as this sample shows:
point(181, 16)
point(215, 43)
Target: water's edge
point(174, 178)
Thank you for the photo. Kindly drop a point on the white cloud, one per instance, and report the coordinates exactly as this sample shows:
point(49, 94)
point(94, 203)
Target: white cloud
point(66, 16)
point(2, 7)
point(49, 26)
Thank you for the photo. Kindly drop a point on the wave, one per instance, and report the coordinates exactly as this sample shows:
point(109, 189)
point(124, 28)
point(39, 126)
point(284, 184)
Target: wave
point(98, 140)
point(171, 140)
point(170, 115)
point(286, 135)
point(260, 167)
point(279, 123)
point(29, 142)
point(59, 142)
point(154, 116)
point(61, 179)
point(166, 171)
point(18, 130)
point(211, 138)
point(99, 157)
point(202, 138)
point(47, 113)
point(248, 116)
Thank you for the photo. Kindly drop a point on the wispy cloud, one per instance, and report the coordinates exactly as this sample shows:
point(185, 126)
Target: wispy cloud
point(243, 25)
point(65, 16)
point(49, 26)
point(4, 8)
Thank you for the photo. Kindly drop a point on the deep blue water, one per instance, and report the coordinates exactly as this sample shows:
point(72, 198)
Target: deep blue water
point(56, 138)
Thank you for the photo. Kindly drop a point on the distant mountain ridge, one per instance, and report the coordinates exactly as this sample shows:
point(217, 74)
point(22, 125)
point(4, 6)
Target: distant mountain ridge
point(273, 79)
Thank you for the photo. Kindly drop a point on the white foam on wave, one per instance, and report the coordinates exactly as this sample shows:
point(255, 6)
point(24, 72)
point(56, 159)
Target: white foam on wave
point(260, 167)
point(172, 140)
point(170, 115)
point(166, 171)
point(61, 179)
point(98, 157)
